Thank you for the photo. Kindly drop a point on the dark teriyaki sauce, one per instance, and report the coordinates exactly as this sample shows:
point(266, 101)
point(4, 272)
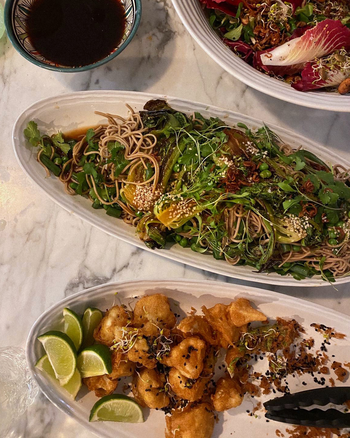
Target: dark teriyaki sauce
point(75, 33)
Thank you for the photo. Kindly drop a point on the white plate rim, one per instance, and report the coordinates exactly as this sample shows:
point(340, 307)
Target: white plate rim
point(198, 288)
point(222, 55)
point(97, 95)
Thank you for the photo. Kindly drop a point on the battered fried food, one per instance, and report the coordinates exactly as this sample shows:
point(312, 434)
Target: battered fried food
point(101, 385)
point(233, 354)
point(187, 357)
point(227, 332)
point(121, 365)
point(173, 366)
point(195, 421)
point(198, 326)
point(209, 363)
point(152, 313)
point(228, 394)
point(184, 388)
point(240, 312)
point(110, 329)
point(149, 389)
point(142, 353)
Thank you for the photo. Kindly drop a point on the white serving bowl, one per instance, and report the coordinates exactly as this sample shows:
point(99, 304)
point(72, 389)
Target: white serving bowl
point(192, 16)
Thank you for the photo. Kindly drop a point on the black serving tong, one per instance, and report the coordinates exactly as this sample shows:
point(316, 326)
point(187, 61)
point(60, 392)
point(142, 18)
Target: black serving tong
point(289, 408)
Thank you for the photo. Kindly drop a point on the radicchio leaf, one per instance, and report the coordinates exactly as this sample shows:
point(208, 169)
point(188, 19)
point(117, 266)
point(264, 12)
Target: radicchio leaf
point(311, 77)
point(240, 48)
point(280, 70)
point(227, 6)
point(323, 39)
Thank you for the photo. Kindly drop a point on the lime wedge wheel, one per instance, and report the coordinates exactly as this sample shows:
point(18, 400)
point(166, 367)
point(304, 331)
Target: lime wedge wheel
point(73, 327)
point(61, 354)
point(74, 384)
point(118, 408)
point(91, 319)
point(95, 361)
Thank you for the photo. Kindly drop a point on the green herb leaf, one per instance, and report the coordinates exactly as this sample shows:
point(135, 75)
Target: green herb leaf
point(59, 142)
point(89, 136)
point(291, 202)
point(89, 169)
point(299, 163)
point(120, 163)
point(234, 34)
point(285, 187)
point(328, 197)
point(32, 134)
point(239, 9)
point(82, 184)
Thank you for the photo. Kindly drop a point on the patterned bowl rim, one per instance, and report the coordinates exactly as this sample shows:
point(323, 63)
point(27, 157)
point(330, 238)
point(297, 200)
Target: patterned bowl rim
point(8, 17)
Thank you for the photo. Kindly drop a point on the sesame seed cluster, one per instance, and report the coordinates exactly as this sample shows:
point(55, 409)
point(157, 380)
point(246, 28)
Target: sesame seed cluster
point(145, 197)
point(298, 225)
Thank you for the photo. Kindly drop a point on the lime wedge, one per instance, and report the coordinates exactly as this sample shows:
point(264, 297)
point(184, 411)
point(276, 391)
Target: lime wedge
point(74, 384)
point(61, 354)
point(73, 327)
point(117, 407)
point(44, 365)
point(95, 361)
point(2, 24)
point(91, 320)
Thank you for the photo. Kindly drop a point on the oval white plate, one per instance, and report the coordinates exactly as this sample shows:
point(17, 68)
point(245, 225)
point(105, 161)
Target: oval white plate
point(72, 111)
point(183, 295)
point(197, 24)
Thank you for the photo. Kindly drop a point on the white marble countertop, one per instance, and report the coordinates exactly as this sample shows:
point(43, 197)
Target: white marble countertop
point(46, 253)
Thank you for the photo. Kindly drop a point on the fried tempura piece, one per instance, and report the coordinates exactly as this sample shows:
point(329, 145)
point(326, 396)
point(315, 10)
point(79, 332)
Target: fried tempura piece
point(227, 332)
point(121, 365)
point(187, 389)
point(233, 354)
point(109, 330)
point(209, 363)
point(240, 312)
point(152, 313)
point(198, 326)
point(228, 394)
point(192, 422)
point(149, 389)
point(102, 385)
point(187, 357)
point(142, 353)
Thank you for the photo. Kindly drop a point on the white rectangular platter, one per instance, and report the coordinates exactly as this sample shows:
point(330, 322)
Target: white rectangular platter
point(183, 295)
point(72, 111)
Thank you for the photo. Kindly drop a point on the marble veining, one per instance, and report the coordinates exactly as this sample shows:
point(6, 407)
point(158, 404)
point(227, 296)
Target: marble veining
point(47, 253)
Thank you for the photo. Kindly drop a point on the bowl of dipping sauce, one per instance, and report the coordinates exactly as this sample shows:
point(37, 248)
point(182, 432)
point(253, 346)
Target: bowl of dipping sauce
point(71, 35)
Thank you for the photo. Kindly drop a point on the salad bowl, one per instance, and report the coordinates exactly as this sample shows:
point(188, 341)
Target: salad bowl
point(197, 24)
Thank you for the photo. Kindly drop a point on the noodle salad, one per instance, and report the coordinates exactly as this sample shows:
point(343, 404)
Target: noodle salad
point(241, 195)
